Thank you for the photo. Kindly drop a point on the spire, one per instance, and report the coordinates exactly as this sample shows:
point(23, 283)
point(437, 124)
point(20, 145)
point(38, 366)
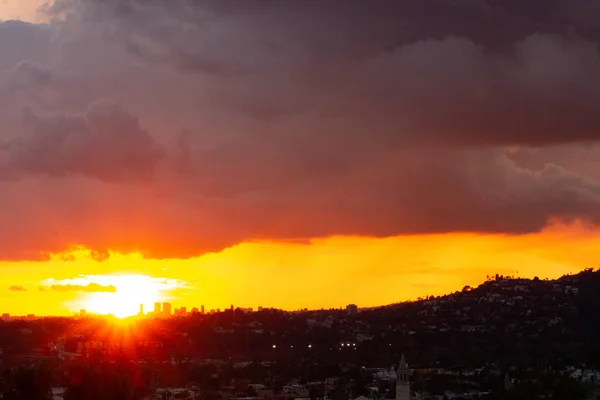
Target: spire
point(402, 365)
point(403, 380)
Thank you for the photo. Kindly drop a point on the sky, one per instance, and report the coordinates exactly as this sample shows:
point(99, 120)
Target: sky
point(292, 154)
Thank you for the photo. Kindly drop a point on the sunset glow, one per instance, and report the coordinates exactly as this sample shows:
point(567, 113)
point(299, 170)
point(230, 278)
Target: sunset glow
point(338, 271)
point(296, 157)
point(130, 292)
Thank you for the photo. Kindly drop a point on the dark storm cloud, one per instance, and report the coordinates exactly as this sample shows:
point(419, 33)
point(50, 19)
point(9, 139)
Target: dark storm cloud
point(415, 192)
point(582, 160)
point(23, 41)
point(299, 119)
point(105, 142)
point(27, 74)
point(461, 72)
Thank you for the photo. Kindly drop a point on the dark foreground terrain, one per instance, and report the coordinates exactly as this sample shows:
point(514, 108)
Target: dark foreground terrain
point(508, 338)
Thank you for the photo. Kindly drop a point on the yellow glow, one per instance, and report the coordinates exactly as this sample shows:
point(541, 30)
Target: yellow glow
point(328, 272)
point(131, 290)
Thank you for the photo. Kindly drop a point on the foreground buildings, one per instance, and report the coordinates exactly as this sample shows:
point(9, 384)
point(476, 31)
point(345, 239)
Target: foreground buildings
point(507, 339)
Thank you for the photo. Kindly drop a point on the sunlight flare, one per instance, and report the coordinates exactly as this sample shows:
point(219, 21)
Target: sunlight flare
point(118, 295)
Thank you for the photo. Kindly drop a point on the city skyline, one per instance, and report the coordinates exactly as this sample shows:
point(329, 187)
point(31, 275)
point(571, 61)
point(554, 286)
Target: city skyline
point(216, 286)
point(278, 199)
point(292, 156)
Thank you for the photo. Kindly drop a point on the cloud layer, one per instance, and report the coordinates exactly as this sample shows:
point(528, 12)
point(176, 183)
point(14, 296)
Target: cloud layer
point(179, 128)
point(89, 288)
point(105, 142)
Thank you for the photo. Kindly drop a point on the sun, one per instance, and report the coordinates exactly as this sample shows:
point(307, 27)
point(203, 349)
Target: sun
point(131, 292)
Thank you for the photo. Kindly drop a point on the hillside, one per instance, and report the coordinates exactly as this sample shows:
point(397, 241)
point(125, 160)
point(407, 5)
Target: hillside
point(505, 320)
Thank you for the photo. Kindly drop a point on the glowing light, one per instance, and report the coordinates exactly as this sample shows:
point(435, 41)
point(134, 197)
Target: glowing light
point(130, 291)
point(420, 265)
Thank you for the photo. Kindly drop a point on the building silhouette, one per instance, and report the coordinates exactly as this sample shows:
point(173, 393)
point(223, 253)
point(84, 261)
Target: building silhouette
point(403, 380)
point(166, 309)
point(157, 309)
point(351, 309)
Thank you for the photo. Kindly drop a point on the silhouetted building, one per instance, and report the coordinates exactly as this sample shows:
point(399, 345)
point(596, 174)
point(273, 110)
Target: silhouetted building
point(403, 380)
point(82, 313)
point(5, 317)
point(141, 309)
point(157, 309)
point(352, 309)
point(195, 310)
point(202, 309)
point(166, 309)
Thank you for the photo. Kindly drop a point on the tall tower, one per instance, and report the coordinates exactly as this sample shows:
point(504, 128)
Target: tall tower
point(403, 380)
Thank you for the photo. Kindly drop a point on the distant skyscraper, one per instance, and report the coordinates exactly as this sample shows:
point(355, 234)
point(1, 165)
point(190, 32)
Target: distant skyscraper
point(195, 310)
point(202, 309)
point(141, 309)
point(82, 313)
point(352, 309)
point(232, 307)
point(183, 310)
point(157, 308)
point(166, 309)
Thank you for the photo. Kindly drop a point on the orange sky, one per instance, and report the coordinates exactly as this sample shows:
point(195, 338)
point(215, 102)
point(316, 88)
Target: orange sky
point(235, 176)
point(328, 272)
